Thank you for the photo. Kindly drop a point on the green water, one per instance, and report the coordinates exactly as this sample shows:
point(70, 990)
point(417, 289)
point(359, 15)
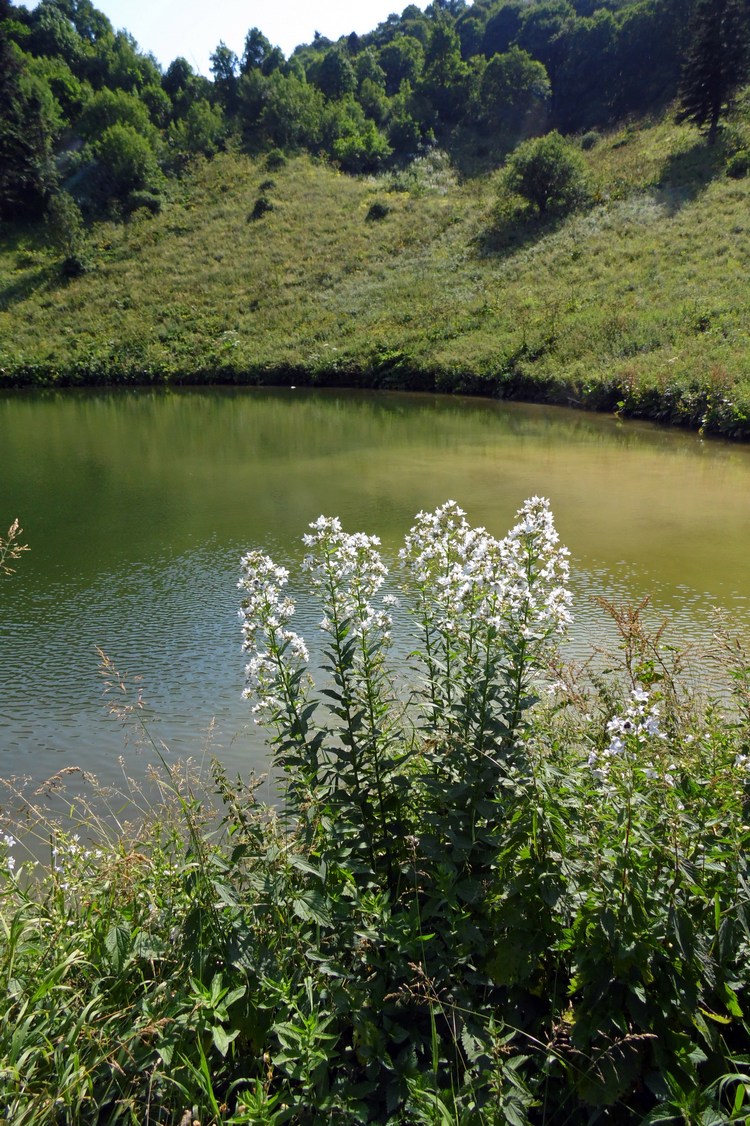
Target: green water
point(137, 507)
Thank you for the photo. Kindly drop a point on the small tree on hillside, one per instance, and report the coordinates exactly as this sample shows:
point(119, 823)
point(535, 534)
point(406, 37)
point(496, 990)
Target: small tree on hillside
point(716, 63)
point(548, 172)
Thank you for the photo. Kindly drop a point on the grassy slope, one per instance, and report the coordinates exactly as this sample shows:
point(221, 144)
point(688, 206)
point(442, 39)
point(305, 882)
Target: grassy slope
point(640, 303)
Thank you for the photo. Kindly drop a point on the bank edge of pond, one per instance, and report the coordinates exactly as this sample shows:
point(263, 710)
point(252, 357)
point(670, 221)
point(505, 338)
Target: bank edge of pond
point(696, 405)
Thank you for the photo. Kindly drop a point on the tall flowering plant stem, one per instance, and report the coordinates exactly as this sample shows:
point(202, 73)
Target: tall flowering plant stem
point(533, 600)
point(487, 612)
point(347, 572)
point(276, 672)
point(440, 557)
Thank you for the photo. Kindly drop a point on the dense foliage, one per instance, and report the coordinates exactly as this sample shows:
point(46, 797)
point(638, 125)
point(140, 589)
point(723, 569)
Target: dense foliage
point(497, 890)
point(85, 109)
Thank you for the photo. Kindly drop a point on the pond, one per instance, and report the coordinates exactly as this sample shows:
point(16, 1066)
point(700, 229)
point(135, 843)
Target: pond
point(138, 505)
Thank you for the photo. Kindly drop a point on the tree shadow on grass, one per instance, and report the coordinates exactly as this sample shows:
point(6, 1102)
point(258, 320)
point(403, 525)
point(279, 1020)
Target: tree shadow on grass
point(44, 278)
point(511, 232)
point(687, 174)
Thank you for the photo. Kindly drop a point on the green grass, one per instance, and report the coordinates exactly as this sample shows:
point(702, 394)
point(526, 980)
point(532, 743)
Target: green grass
point(638, 304)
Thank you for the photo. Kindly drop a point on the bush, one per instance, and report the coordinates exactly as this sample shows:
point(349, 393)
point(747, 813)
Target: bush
point(65, 227)
point(590, 140)
point(260, 207)
point(125, 163)
point(547, 172)
point(275, 160)
point(75, 265)
point(377, 210)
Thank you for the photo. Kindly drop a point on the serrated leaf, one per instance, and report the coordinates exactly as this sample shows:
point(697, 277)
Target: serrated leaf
point(117, 944)
point(148, 947)
point(303, 865)
point(224, 894)
point(310, 907)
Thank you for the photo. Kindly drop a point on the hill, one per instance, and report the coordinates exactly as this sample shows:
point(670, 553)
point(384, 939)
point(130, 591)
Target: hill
point(635, 303)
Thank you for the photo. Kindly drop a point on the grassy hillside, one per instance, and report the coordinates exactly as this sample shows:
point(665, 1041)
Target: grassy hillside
point(638, 304)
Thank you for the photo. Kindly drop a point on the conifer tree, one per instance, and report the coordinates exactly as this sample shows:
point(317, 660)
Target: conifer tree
point(716, 62)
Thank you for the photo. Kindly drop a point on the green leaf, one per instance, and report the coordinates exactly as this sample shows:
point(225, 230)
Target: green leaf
point(222, 1039)
point(117, 944)
point(731, 1002)
point(310, 907)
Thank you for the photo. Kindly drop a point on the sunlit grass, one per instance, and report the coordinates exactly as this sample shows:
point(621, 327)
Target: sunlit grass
point(637, 304)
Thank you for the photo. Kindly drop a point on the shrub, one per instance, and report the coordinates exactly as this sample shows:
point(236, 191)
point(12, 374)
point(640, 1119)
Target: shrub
point(275, 160)
point(260, 207)
point(590, 140)
point(65, 225)
point(548, 173)
point(377, 210)
point(75, 265)
point(125, 163)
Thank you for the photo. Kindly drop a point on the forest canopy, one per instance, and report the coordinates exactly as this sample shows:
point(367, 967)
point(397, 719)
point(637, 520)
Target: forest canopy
point(86, 111)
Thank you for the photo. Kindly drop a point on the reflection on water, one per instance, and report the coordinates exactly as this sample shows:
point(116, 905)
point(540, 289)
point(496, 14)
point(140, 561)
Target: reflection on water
point(137, 507)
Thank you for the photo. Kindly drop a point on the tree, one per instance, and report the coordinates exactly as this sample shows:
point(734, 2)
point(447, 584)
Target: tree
point(445, 73)
point(513, 86)
point(114, 107)
point(548, 172)
point(502, 29)
point(125, 162)
point(716, 63)
point(29, 121)
point(543, 30)
point(334, 74)
point(201, 130)
point(224, 68)
point(292, 115)
point(363, 148)
point(402, 60)
point(257, 49)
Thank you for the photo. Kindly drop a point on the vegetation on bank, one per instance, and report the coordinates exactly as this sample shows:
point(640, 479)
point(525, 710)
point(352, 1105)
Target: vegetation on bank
point(506, 235)
point(498, 890)
point(635, 302)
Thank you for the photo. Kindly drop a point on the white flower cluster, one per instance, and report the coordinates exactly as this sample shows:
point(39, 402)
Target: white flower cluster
point(534, 574)
point(265, 615)
point(444, 554)
point(10, 842)
point(71, 861)
point(482, 604)
point(516, 585)
point(629, 737)
point(347, 571)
